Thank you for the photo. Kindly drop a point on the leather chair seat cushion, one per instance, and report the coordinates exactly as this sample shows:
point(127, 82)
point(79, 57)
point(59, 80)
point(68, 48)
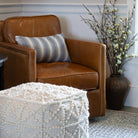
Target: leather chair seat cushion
point(70, 74)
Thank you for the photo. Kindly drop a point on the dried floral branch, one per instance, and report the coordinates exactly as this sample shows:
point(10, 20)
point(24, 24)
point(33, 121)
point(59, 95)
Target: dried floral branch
point(114, 32)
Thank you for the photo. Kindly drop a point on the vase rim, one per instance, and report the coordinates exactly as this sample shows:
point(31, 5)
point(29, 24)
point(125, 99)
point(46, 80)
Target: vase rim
point(117, 74)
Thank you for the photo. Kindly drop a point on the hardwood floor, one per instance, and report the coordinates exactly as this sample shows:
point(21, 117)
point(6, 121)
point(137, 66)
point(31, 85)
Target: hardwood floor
point(130, 109)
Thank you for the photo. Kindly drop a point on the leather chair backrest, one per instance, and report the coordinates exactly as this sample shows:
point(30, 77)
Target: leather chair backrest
point(34, 26)
point(1, 32)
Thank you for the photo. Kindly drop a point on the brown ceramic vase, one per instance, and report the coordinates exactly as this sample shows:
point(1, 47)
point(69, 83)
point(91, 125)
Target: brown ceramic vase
point(117, 87)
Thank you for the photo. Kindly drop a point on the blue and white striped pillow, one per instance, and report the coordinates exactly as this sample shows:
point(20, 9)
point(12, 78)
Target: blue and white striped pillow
point(48, 49)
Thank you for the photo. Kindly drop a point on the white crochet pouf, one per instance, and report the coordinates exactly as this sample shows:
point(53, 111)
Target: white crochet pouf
point(37, 110)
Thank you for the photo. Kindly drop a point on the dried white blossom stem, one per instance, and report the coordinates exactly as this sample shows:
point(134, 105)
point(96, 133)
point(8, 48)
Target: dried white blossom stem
point(114, 31)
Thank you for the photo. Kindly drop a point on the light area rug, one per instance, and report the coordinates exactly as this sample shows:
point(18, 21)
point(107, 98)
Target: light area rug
point(115, 124)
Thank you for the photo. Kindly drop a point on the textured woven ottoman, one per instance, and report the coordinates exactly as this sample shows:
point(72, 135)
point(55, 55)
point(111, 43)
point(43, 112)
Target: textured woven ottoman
point(37, 110)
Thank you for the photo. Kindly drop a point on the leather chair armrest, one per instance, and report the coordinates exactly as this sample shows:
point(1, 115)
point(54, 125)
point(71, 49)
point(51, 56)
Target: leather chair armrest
point(20, 66)
point(90, 54)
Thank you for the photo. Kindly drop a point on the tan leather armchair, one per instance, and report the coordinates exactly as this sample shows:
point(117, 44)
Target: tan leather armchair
point(86, 71)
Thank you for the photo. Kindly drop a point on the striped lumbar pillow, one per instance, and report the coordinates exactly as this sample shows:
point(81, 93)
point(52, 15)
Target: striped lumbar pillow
point(48, 49)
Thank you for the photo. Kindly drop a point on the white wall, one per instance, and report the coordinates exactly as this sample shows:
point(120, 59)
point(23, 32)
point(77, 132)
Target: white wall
point(10, 1)
point(69, 14)
point(72, 26)
point(132, 74)
point(10, 8)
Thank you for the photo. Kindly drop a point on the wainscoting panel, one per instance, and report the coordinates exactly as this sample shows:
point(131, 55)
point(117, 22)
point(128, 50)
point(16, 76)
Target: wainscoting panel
point(70, 16)
point(65, 8)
